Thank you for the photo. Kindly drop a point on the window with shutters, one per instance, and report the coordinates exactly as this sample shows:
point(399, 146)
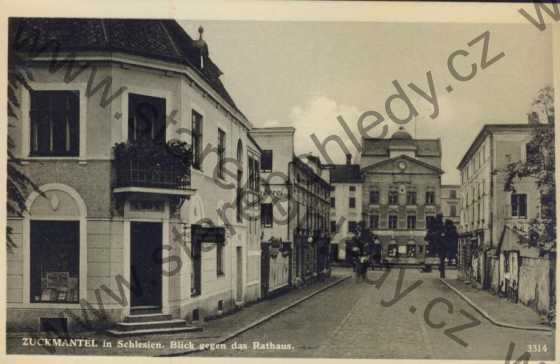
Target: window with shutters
point(55, 123)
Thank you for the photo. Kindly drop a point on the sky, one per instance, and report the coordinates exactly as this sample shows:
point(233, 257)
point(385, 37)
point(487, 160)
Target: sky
point(306, 74)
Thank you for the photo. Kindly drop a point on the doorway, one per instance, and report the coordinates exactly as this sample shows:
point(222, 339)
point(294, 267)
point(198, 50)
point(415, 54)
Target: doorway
point(145, 266)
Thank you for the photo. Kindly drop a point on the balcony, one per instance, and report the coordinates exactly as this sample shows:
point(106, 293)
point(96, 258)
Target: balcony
point(151, 168)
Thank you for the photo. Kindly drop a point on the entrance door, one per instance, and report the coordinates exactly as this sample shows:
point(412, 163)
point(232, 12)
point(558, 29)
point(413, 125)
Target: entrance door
point(239, 257)
point(145, 265)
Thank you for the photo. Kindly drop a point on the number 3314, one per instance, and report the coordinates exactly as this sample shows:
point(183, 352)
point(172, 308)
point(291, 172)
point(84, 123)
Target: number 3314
point(537, 348)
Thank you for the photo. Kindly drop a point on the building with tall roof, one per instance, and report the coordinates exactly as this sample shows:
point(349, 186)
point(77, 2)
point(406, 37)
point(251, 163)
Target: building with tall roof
point(145, 164)
point(346, 206)
point(401, 191)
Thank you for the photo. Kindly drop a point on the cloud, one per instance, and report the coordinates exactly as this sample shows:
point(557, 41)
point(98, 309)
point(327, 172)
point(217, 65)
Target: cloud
point(318, 117)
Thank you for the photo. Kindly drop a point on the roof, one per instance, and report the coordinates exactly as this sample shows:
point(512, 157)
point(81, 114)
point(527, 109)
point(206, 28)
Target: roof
point(162, 39)
point(345, 173)
point(380, 147)
point(488, 129)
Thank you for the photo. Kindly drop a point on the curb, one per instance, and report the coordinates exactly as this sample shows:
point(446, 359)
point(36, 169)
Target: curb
point(487, 315)
point(261, 320)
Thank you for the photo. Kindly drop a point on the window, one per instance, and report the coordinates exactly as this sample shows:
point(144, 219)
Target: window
point(411, 251)
point(393, 221)
point(221, 152)
point(519, 205)
point(352, 202)
point(352, 226)
point(333, 226)
point(392, 250)
point(55, 123)
point(531, 151)
point(411, 198)
point(266, 161)
point(393, 198)
point(197, 139)
point(266, 215)
point(333, 202)
point(374, 197)
point(411, 222)
point(453, 210)
point(352, 188)
point(430, 197)
point(428, 220)
point(55, 256)
point(240, 154)
point(374, 221)
point(239, 197)
point(453, 194)
point(146, 118)
point(220, 259)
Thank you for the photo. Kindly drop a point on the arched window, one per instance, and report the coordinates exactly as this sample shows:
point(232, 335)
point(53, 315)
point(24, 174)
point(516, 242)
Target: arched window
point(240, 152)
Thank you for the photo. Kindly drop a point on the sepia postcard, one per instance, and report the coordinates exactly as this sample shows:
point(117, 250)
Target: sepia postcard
point(295, 180)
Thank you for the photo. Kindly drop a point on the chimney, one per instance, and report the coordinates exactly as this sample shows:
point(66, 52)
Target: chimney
point(348, 159)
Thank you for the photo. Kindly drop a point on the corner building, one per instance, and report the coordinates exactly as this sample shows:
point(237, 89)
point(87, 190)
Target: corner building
point(116, 205)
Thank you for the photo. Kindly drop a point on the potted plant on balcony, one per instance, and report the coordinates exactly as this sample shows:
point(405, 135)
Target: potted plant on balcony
point(148, 164)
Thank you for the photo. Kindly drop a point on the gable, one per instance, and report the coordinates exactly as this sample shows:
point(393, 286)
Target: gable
point(402, 165)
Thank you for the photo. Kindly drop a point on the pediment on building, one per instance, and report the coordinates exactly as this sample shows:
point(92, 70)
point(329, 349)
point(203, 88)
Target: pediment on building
point(402, 164)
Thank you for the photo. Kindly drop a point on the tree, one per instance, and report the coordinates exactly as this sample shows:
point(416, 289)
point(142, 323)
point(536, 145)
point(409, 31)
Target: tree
point(17, 182)
point(539, 165)
point(437, 242)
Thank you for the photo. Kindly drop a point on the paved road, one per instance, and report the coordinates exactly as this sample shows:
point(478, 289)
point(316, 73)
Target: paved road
point(361, 320)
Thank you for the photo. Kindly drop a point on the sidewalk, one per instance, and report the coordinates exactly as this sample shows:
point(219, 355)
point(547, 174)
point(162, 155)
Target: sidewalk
point(498, 310)
point(214, 332)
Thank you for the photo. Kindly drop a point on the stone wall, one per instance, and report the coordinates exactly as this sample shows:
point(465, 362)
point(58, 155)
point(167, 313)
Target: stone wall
point(534, 283)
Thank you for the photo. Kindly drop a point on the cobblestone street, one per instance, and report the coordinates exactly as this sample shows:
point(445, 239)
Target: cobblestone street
point(350, 321)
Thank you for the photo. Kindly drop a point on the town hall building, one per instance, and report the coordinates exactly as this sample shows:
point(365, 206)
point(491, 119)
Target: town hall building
point(401, 192)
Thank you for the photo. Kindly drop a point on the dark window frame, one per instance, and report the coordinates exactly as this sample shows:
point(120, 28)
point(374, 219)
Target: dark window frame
point(48, 137)
point(197, 135)
point(396, 221)
point(519, 205)
point(221, 152)
point(267, 156)
point(140, 109)
point(267, 215)
point(411, 221)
